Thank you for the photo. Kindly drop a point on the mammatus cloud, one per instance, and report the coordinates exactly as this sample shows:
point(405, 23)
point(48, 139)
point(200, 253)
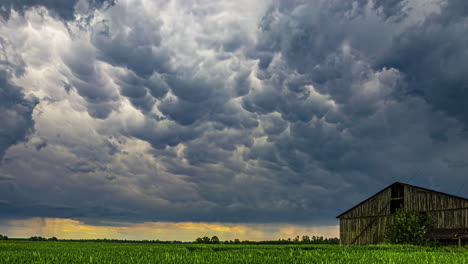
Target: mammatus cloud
point(64, 9)
point(16, 118)
point(436, 70)
point(231, 112)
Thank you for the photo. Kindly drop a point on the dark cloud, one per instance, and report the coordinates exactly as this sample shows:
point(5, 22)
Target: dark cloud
point(391, 9)
point(134, 49)
point(68, 87)
point(303, 103)
point(162, 133)
point(83, 167)
point(361, 103)
point(16, 121)
point(91, 81)
point(41, 145)
point(17, 211)
point(433, 57)
point(65, 9)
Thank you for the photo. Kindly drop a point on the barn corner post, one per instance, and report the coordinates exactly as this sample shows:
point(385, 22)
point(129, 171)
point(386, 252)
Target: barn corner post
point(340, 240)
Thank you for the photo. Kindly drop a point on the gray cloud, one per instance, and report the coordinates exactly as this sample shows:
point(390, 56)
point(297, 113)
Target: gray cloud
point(133, 49)
point(41, 145)
point(168, 116)
point(433, 58)
point(16, 119)
point(65, 9)
point(91, 81)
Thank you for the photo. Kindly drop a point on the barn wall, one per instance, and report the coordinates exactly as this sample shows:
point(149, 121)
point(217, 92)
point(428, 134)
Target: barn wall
point(449, 219)
point(374, 234)
point(445, 211)
point(355, 221)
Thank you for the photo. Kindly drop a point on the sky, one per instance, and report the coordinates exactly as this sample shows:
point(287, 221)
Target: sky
point(152, 119)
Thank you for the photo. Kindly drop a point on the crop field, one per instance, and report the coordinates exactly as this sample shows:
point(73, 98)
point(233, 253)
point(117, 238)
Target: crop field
point(92, 252)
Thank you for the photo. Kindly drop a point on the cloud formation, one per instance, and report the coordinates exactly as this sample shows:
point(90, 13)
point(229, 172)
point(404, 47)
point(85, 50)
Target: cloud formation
point(64, 9)
point(16, 118)
point(270, 111)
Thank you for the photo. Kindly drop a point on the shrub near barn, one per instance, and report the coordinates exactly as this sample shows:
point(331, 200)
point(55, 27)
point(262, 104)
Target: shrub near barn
point(408, 227)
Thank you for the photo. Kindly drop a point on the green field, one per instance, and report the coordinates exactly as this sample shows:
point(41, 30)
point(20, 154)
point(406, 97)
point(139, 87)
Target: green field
point(92, 252)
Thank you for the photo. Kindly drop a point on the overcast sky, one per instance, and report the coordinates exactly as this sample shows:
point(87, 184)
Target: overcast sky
point(249, 114)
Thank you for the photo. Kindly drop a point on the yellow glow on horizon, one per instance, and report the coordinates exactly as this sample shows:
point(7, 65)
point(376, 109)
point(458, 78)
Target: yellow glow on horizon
point(183, 231)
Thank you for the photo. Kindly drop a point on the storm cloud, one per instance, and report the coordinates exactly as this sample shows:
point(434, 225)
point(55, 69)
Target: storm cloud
point(16, 118)
point(64, 9)
point(269, 111)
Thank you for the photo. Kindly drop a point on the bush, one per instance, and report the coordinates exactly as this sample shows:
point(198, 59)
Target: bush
point(408, 227)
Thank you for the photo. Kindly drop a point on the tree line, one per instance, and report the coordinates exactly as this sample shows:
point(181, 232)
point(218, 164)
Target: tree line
point(297, 240)
point(200, 240)
point(39, 238)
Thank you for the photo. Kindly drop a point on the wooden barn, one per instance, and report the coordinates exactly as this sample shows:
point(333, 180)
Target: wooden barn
point(365, 223)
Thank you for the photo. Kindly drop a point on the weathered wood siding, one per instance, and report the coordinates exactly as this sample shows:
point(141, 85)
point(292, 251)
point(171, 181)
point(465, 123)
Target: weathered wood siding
point(372, 206)
point(374, 234)
point(353, 223)
point(367, 221)
point(445, 211)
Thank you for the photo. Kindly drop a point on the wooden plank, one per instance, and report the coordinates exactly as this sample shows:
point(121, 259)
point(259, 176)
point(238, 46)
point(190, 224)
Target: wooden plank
point(369, 224)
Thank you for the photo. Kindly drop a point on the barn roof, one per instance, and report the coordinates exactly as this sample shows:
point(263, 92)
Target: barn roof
point(454, 196)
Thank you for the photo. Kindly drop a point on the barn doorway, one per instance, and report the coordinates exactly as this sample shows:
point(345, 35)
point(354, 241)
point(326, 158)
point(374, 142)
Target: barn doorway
point(397, 197)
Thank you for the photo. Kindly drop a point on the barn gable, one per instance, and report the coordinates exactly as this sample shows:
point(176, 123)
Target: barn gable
point(379, 202)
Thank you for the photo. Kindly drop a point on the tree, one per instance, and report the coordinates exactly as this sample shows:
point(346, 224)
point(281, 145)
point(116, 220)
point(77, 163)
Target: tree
point(408, 227)
point(199, 240)
point(215, 240)
point(206, 240)
point(37, 238)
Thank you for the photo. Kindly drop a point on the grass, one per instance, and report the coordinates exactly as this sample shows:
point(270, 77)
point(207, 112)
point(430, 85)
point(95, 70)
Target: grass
point(92, 252)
